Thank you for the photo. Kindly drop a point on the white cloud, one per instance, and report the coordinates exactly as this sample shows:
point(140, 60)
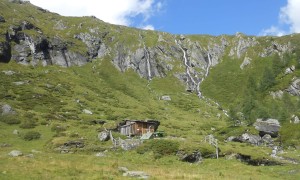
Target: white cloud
point(273, 31)
point(289, 16)
point(120, 12)
point(148, 27)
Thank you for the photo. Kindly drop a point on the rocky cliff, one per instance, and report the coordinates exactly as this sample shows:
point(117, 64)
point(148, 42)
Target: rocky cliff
point(44, 38)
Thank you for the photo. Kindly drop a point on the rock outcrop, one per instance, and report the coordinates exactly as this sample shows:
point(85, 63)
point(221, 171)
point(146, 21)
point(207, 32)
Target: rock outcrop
point(294, 88)
point(7, 110)
point(269, 126)
point(150, 54)
point(246, 138)
point(194, 157)
point(39, 49)
point(246, 62)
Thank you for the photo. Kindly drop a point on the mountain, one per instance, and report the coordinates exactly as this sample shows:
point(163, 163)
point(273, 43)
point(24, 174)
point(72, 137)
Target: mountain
point(60, 76)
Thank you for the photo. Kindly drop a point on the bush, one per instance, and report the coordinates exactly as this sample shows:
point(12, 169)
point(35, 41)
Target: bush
point(31, 135)
point(58, 128)
point(44, 122)
point(290, 134)
point(10, 119)
point(159, 147)
point(28, 124)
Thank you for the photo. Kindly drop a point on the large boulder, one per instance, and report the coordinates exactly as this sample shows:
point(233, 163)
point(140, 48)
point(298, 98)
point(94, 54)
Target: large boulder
point(194, 157)
point(15, 153)
point(246, 138)
point(269, 126)
point(7, 110)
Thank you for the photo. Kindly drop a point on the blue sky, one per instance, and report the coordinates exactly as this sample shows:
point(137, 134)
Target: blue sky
point(218, 16)
point(215, 17)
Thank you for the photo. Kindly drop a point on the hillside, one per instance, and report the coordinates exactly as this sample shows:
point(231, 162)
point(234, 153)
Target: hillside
point(65, 79)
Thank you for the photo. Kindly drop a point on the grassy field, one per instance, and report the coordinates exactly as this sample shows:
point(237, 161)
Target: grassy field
point(49, 98)
point(85, 165)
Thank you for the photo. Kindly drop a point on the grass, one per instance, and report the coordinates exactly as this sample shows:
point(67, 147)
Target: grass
point(71, 166)
point(185, 119)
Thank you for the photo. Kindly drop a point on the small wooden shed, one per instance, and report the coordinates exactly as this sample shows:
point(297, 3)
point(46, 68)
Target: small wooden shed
point(137, 127)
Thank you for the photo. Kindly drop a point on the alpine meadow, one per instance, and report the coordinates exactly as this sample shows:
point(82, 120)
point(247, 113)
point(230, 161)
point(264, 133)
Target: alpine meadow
point(85, 99)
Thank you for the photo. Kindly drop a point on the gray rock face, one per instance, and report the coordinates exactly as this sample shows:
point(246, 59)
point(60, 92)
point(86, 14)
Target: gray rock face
point(15, 153)
point(269, 126)
point(241, 45)
point(22, 53)
point(93, 43)
point(143, 61)
point(5, 52)
point(276, 48)
point(103, 136)
point(294, 88)
point(103, 50)
point(30, 50)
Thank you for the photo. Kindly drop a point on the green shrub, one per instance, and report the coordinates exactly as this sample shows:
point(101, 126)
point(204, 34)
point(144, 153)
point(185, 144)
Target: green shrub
point(159, 147)
point(31, 135)
point(10, 119)
point(290, 134)
point(207, 150)
point(58, 128)
point(44, 122)
point(28, 124)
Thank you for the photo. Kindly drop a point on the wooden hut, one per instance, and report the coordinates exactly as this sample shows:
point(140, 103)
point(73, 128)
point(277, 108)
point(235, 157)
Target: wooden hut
point(138, 127)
